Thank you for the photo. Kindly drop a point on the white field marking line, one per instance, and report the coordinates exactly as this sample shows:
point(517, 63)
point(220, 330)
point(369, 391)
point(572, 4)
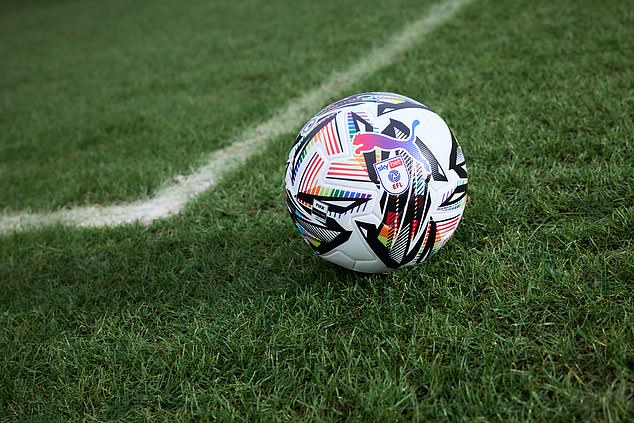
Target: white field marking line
point(171, 199)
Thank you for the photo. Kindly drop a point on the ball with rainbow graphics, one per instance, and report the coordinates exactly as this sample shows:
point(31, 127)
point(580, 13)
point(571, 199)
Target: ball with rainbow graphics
point(375, 182)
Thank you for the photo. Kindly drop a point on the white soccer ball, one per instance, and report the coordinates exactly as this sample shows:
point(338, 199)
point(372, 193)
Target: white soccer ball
point(375, 182)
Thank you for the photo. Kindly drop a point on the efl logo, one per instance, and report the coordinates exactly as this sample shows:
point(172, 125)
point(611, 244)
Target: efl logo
point(393, 175)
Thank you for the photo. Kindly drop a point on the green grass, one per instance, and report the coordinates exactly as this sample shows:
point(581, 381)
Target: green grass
point(222, 311)
point(104, 102)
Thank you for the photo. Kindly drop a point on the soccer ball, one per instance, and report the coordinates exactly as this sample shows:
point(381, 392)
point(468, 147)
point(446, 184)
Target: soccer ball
point(375, 182)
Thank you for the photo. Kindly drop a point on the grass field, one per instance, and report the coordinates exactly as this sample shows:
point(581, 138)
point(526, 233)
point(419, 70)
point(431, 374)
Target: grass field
point(104, 102)
point(222, 311)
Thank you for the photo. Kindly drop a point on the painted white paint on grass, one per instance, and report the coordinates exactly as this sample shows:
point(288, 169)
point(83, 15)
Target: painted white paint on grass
point(171, 199)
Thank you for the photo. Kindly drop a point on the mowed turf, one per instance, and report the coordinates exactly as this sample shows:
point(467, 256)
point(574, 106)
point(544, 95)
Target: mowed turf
point(222, 311)
point(103, 102)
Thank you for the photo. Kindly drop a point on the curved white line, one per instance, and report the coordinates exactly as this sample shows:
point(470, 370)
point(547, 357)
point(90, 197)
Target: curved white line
point(171, 199)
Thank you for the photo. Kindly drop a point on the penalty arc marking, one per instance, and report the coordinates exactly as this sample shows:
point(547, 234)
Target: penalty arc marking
point(171, 199)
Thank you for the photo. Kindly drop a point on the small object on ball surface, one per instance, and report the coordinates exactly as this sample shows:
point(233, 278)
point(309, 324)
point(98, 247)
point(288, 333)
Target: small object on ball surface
point(375, 182)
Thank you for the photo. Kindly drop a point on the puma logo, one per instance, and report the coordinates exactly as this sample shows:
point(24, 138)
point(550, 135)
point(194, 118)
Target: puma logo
point(369, 141)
